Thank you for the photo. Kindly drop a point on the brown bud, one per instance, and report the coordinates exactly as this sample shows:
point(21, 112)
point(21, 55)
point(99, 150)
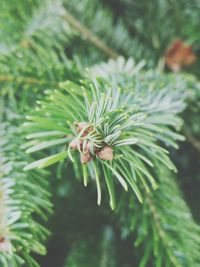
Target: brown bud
point(81, 125)
point(5, 245)
point(86, 157)
point(88, 148)
point(179, 55)
point(106, 153)
point(74, 144)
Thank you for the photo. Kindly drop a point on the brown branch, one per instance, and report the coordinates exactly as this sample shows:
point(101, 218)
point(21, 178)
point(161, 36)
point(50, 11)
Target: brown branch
point(89, 35)
point(195, 143)
point(28, 80)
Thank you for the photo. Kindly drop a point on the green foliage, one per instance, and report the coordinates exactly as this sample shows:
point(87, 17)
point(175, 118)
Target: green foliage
point(117, 118)
point(101, 21)
point(34, 24)
point(37, 60)
point(191, 115)
point(164, 218)
point(94, 251)
point(157, 23)
point(114, 124)
point(24, 202)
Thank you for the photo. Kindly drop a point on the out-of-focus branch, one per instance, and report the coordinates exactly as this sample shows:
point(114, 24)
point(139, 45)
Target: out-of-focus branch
point(195, 143)
point(28, 80)
point(89, 35)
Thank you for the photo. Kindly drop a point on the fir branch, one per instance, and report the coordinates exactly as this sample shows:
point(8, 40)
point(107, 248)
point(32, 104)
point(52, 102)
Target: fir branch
point(36, 25)
point(85, 32)
point(28, 80)
point(39, 29)
point(102, 123)
point(90, 251)
point(102, 22)
point(194, 142)
point(143, 21)
point(23, 198)
point(166, 233)
point(161, 233)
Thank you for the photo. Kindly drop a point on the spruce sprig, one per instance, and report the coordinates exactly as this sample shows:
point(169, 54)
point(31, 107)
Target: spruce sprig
point(107, 130)
point(23, 198)
point(166, 219)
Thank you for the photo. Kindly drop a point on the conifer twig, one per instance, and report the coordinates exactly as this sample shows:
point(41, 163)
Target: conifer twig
point(89, 35)
point(195, 143)
point(158, 226)
point(29, 80)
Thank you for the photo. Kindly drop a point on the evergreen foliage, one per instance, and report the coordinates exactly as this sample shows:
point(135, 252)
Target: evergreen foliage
point(162, 215)
point(101, 21)
point(178, 19)
point(90, 251)
point(107, 121)
point(24, 197)
point(99, 120)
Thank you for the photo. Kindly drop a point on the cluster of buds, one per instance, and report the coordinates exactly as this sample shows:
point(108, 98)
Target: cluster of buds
point(83, 129)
